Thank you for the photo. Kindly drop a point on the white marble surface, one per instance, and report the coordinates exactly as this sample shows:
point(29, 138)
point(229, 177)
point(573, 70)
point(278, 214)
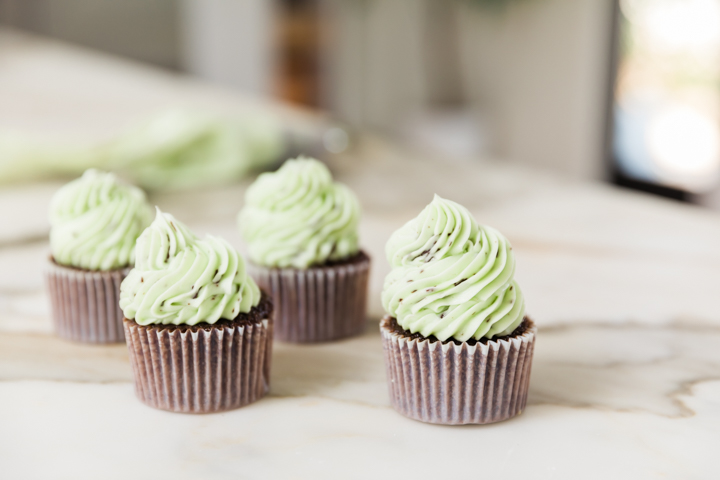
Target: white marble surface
point(626, 377)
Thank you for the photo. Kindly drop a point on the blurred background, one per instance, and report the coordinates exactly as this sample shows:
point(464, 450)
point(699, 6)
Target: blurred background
point(621, 91)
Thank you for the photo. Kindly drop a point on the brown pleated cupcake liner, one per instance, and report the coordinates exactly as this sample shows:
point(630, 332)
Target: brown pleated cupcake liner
point(452, 384)
point(317, 304)
point(84, 303)
point(200, 369)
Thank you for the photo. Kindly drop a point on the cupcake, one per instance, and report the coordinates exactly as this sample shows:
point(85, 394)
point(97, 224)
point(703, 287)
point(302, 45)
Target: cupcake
point(301, 231)
point(94, 221)
point(198, 328)
point(458, 346)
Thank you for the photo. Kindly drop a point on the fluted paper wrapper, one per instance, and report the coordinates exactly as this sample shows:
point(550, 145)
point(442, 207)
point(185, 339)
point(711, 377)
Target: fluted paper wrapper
point(451, 384)
point(317, 304)
point(200, 370)
point(84, 303)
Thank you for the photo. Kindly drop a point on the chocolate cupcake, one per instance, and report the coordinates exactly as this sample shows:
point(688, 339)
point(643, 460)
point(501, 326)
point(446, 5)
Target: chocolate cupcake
point(458, 346)
point(95, 221)
point(301, 231)
point(198, 329)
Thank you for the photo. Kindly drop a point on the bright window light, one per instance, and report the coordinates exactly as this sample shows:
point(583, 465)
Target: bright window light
point(684, 141)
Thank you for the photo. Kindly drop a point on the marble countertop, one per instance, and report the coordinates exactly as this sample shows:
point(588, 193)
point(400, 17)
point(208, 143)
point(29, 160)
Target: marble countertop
point(623, 286)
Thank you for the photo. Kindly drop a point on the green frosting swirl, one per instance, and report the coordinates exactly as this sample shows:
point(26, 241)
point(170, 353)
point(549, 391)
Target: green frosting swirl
point(452, 277)
point(180, 279)
point(95, 221)
point(298, 217)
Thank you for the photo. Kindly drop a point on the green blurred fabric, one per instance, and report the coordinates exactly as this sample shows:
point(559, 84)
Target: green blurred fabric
point(174, 150)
